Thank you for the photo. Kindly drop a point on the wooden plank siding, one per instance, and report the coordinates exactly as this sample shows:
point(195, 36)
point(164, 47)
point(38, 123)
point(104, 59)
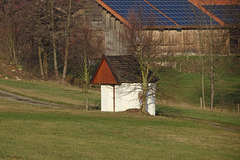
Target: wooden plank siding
point(182, 42)
point(112, 28)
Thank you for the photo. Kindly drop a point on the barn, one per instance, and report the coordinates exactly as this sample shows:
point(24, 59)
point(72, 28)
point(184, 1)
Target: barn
point(120, 80)
point(179, 21)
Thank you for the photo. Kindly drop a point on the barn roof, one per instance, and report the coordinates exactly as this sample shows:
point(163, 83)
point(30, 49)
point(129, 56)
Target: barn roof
point(175, 13)
point(124, 69)
point(229, 14)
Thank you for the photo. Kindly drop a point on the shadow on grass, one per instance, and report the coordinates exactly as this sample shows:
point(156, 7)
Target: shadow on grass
point(167, 111)
point(95, 108)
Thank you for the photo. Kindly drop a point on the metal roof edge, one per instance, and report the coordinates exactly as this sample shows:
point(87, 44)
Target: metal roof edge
point(161, 12)
point(109, 9)
point(199, 3)
point(186, 27)
point(196, 3)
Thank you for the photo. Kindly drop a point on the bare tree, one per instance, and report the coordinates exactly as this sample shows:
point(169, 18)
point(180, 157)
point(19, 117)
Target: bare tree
point(38, 26)
point(85, 52)
point(144, 45)
point(67, 36)
point(213, 42)
point(40, 57)
point(202, 52)
point(54, 40)
point(11, 31)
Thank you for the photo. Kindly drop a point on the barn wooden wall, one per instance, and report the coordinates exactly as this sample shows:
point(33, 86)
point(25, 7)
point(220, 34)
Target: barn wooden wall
point(191, 42)
point(113, 39)
point(178, 42)
point(174, 42)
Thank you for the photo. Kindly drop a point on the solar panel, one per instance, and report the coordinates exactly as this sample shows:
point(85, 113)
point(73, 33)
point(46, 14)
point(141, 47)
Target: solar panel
point(148, 14)
point(162, 12)
point(227, 13)
point(182, 12)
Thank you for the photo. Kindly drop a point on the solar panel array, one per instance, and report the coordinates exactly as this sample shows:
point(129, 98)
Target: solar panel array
point(182, 12)
point(126, 7)
point(161, 12)
point(227, 13)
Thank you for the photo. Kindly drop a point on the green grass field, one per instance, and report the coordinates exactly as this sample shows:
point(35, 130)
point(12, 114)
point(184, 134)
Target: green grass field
point(227, 81)
point(227, 91)
point(40, 132)
point(51, 92)
point(35, 132)
point(186, 88)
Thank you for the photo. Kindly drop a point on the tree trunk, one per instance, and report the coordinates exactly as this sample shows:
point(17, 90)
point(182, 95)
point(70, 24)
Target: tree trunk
point(86, 100)
point(203, 93)
point(65, 61)
point(67, 41)
point(55, 59)
point(13, 49)
point(212, 83)
point(202, 49)
point(144, 95)
point(45, 64)
point(14, 56)
point(203, 87)
point(86, 78)
point(144, 102)
point(212, 66)
point(54, 42)
point(40, 57)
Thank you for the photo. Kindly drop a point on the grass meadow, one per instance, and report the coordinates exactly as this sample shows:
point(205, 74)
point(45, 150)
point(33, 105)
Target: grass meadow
point(40, 132)
point(187, 80)
point(227, 91)
point(51, 92)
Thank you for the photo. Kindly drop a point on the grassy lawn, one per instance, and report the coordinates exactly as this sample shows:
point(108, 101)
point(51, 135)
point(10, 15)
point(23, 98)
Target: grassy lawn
point(225, 118)
point(35, 132)
point(51, 92)
point(227, 91)
point(39, 132)
point(185, 86)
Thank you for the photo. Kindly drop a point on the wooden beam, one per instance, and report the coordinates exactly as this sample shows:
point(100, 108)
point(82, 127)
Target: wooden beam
point(216, 2)
point(199, 3)
point(161, 12)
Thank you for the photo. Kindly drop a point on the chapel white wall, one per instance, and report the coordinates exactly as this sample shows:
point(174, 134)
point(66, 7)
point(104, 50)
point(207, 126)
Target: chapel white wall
point(126, 97)
point(107, 98)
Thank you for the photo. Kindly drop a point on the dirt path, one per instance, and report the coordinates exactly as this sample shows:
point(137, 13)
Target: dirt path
point(22, 99)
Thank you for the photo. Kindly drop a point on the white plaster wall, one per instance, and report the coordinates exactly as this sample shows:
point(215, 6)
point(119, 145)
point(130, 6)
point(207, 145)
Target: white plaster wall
point(126, 97)
point(107, 98)
point(151, 106)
